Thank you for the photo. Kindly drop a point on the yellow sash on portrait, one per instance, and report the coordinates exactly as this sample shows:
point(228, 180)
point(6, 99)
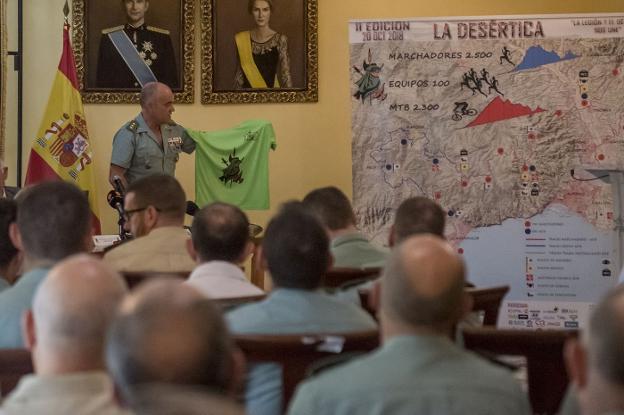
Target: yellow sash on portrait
point(243, 44)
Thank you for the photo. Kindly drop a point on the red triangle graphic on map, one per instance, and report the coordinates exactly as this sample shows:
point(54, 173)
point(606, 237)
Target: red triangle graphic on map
point(499, 110)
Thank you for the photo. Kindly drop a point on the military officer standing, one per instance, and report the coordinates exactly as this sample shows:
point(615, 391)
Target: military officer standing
point(153, 46)
point(151, 142)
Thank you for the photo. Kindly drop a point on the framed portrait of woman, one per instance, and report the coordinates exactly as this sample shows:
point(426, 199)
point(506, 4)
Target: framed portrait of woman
point(121, 45)
point(257, 51)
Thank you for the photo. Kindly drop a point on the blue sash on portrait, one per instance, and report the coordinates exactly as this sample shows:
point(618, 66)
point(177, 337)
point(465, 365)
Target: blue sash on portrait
point(131, 57)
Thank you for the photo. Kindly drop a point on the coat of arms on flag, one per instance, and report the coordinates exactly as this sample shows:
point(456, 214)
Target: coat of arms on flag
point(62, 150)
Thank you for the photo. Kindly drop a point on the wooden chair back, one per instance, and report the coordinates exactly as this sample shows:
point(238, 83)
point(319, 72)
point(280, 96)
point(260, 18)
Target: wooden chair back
point(14, 363)
point(337, 277)
point(228, 303)
point(296, 352)
point(488, 300)
point(134, 278)
point(543, 350)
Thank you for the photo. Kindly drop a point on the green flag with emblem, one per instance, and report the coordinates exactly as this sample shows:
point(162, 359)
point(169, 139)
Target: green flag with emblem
point(233, 165)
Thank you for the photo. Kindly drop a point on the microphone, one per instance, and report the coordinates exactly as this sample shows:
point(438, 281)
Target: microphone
point(116, 202)
point(191, 208)
point(118, 185)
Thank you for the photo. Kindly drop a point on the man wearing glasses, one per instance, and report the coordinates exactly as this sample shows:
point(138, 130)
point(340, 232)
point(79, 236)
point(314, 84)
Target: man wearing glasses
point(154, 214)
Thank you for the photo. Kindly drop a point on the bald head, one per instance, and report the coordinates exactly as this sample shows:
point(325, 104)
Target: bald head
point(72, 310)
point(149, 91)
point(422, 285)
point(220, 232)
point(166, 332)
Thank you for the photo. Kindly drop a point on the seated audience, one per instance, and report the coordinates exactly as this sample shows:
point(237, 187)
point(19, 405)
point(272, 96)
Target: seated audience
point(10, 257)
point(595, 362)
point(295, 250)
point(418, 370)
point(349, 247)
point(167, 334)
point(155, 206)
point(6, 192)
point(53, 222)
point(414, 216)
point(65, 333)
point(220, 243)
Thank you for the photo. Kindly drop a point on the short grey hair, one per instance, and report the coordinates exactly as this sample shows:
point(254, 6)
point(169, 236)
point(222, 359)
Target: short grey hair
point(606, 336)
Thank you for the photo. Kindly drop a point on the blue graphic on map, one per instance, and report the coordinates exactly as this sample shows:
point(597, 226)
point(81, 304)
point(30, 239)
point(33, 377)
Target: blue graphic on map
point(536, 56)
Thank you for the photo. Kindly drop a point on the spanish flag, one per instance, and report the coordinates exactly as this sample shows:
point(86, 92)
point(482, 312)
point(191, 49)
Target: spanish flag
point(62, 150)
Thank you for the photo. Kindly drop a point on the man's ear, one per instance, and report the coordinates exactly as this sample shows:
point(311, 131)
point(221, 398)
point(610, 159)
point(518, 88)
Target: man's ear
point(249, 249)
point(261, 259)
point(330, 262)
point(466, 305)
point(89, 244)
point(28, 330)
point(374, 297)
point(15, 236)
point(576, 360)
point(5, 173)
point(391, 236)
point(151, 217)
point(190, 248)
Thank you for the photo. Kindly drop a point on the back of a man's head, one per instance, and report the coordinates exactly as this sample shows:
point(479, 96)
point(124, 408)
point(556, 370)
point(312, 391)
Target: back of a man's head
point(220, 232)
point(422, 285)
point(166, 332)
point(8, 214)
point(417, 215)
point(163, 192)
point(595, 361)
point(296, 248)
point(331, 207)
point(71, 312)
point(54, 221)
point(606, 337)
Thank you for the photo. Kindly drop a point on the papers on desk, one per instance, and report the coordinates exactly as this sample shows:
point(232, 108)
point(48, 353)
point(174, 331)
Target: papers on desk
point(101, 242)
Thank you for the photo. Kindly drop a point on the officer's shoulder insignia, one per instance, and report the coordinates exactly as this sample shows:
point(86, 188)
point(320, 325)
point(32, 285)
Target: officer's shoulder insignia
point(111, 29)
point(158, 29)
point(132, 126)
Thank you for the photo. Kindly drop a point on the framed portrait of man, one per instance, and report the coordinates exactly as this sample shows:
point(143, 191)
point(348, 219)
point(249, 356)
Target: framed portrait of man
point(3, 74)
point(120, 45)
point(259, 51)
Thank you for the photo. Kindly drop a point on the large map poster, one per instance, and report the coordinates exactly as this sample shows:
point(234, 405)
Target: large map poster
point(489, 116)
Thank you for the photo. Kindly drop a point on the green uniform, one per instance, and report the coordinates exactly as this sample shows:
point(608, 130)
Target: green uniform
point(233, 165)
point(355, 251)
point(137, 150)
point(416, 374)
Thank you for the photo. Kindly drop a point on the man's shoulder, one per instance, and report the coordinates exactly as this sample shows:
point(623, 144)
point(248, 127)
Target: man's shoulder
point(112, 29)
point(130, 128)
point(158, 30)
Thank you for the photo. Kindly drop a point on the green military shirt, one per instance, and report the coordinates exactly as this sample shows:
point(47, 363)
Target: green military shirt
point(355, 251)
point(136, 149)
point(413, 375)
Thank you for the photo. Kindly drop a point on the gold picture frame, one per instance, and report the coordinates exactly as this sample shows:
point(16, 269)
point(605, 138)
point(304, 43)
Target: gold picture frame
point(223, 81)
point(93, 18)
point(3, 73)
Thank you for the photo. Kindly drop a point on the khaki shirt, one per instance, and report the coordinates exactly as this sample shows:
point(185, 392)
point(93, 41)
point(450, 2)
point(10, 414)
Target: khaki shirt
point(162, 250)
point(84, 393)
